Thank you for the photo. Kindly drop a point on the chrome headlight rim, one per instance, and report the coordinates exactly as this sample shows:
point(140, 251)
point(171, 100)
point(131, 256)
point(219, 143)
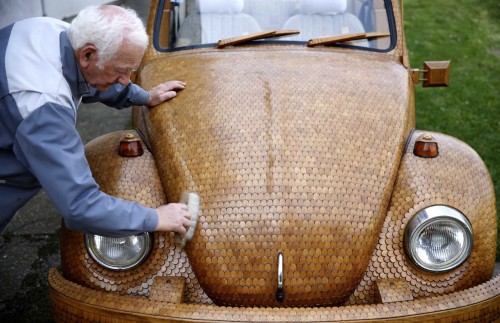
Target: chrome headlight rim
point(101, 260)
point(428, 216)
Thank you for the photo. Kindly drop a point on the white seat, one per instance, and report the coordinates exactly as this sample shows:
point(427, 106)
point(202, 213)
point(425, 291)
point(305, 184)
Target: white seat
point(215, 20)
point(271, 15)
point(318, 18)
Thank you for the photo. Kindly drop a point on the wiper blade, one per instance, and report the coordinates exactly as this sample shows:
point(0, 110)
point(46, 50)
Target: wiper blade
point(262, 35)
point(328, 40)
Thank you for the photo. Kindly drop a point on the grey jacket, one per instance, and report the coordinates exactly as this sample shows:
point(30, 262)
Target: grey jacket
point(41, 87)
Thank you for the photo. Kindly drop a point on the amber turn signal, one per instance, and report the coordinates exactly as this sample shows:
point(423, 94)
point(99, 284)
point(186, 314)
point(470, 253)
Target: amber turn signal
point(130, 146)
point(426, 147)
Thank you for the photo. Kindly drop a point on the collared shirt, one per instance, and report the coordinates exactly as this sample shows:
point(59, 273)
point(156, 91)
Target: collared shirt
point(41, 87)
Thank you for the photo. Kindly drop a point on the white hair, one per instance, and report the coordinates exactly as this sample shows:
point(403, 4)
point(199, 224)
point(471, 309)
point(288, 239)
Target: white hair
point(107, 27)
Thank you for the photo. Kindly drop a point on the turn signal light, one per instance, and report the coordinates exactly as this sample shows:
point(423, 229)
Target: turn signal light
point(130, 146)
point(426, 147)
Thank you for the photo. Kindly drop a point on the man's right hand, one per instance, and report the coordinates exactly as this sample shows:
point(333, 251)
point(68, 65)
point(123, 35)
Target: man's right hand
point(173, 217)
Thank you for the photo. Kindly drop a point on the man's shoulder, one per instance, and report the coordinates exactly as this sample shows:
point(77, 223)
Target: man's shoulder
point(39, 35)
point(33, 55)
point(33, 66)
point(42, 23)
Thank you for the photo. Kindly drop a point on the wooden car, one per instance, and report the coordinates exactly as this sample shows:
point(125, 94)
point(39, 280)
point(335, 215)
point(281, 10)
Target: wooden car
point(318, 198)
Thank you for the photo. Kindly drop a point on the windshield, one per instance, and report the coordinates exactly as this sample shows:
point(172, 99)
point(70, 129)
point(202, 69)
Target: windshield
point(202, 22)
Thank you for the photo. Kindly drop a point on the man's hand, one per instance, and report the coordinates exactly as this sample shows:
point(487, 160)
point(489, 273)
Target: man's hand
point(164, 91)
point(173, 217)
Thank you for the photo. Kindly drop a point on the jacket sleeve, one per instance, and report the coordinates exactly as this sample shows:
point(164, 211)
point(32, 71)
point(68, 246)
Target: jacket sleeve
point(118, 96)
point(50, 146)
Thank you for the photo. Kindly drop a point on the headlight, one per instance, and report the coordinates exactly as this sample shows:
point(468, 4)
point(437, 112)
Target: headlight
point(438, 238)
point(118, 253)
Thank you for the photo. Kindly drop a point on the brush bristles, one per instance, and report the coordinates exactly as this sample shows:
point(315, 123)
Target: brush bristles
point(192, 200)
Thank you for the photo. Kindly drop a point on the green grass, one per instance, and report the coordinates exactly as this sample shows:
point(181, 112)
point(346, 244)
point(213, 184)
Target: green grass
point(467, 32)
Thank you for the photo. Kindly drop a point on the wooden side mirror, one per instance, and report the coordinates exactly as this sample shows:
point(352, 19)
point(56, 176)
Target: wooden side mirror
point(435, 74)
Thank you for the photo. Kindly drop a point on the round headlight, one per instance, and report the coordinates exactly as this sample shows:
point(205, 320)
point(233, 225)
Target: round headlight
point(118, 253)
point(438, 238)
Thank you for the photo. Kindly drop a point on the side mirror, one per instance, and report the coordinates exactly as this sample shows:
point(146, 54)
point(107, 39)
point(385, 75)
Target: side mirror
point(435, 74)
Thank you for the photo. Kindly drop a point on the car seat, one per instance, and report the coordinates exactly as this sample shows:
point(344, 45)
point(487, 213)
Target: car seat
point(271, 15)
point(215, 20)
point(318, 18)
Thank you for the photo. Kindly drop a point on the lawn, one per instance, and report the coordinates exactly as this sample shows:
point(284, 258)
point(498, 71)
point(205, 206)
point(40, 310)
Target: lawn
point(467, 32)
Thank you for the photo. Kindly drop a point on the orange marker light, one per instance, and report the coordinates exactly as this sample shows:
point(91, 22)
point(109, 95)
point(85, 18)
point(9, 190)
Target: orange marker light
point(426, 147)
point(130, 146)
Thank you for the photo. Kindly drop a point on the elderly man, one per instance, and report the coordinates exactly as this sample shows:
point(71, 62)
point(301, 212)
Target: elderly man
point(47, 68)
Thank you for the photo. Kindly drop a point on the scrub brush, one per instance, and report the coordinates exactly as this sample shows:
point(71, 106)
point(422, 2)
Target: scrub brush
point(192, 200)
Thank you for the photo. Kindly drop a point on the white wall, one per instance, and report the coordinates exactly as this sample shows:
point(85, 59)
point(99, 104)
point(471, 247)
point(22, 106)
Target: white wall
point(65, 9)
point(13, 10)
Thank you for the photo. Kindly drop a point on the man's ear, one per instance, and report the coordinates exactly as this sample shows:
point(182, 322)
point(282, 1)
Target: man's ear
point(86, 55)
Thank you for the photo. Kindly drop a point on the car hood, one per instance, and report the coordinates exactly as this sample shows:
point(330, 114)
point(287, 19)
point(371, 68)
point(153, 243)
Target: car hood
point(292, 152)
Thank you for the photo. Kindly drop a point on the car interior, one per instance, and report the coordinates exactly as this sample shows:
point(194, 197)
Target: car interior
point(197, 22)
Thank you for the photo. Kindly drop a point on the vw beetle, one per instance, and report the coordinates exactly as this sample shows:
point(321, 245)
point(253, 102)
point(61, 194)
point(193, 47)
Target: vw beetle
point(318, 198)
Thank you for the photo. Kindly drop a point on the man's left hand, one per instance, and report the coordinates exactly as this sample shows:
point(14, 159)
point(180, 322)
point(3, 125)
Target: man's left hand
point(164, 91)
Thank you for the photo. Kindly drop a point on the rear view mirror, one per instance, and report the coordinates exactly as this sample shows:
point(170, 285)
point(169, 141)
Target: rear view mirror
point(434, 74)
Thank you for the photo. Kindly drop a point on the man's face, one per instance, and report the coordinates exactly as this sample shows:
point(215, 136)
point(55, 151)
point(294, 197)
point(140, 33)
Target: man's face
point(117, 70)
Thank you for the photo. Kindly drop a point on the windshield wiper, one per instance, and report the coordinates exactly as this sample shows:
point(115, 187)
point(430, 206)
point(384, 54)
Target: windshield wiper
point(328, 40)
point(262, 35)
